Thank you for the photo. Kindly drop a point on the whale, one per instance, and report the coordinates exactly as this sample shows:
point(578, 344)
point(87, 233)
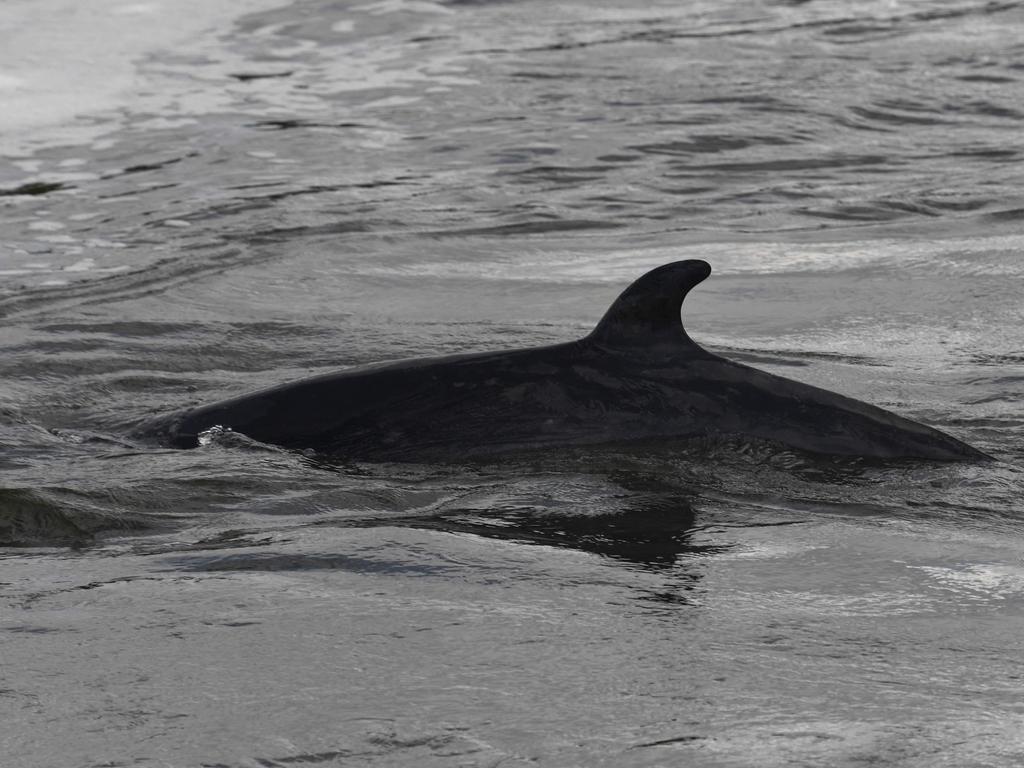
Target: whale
point(638, 376)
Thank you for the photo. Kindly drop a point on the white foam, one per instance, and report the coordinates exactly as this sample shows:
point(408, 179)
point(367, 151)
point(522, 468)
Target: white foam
point(979, 580)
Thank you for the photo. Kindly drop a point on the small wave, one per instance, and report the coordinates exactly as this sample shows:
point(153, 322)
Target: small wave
point(54, 517)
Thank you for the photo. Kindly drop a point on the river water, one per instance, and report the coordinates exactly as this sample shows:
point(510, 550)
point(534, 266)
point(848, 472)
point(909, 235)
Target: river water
point(201, 199)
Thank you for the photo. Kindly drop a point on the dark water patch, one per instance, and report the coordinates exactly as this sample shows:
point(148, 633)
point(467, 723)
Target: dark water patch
point(26, 629)
point(422, 39)
point(288, 124)
point(125, 329)
point(35, 188)
point(671, 740)
point(904, 105)
point(154, 166)
point(247, 77)
point(255, 185)
point(235, 538)
point(858, 32)
point(936, 206)
point(612, 203)
point(788, 193)
point(555, 174)
point(907, 206)
point(134, 193)
point(313, 758)
point(693, 189)
point(511, 155)
point(1009, 396)
point(553, 75)
point(440, 149)
point(992, 79)
point(859, 122)
point(270, 562)
point(1002, 360)
point(1011, 214)
point(986, 153)
point(985, 9)
point(748, 102)
point(881, 163)
point(891, 117)
point(987, 108)
point(708, 144)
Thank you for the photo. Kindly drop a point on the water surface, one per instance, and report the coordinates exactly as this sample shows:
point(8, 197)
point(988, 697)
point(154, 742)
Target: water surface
point(228, 196)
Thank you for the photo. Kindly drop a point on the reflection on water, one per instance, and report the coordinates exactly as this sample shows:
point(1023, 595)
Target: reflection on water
point(651, 531)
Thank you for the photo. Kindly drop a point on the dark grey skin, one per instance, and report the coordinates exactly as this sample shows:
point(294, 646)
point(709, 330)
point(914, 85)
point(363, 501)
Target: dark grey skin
point(637, 376)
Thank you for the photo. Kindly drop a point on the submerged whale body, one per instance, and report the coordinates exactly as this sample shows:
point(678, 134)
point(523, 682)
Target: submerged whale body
point(637, 376)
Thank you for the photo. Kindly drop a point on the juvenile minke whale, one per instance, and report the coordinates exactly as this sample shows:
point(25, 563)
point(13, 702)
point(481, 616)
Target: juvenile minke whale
point(636, 376)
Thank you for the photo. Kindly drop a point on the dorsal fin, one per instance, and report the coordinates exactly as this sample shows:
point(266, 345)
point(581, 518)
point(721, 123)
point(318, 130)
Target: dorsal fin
point(647, 313)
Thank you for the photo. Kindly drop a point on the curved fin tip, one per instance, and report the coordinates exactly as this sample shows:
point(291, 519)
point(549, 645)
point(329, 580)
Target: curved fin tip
point(649, 309)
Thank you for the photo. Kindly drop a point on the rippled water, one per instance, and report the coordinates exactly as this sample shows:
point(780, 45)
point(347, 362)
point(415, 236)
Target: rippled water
point(202, 199)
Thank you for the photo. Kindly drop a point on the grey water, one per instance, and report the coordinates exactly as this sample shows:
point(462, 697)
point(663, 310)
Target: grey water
point(202, 199)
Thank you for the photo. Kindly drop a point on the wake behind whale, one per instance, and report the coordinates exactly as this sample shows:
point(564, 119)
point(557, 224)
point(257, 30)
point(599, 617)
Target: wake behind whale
point(637, 376)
